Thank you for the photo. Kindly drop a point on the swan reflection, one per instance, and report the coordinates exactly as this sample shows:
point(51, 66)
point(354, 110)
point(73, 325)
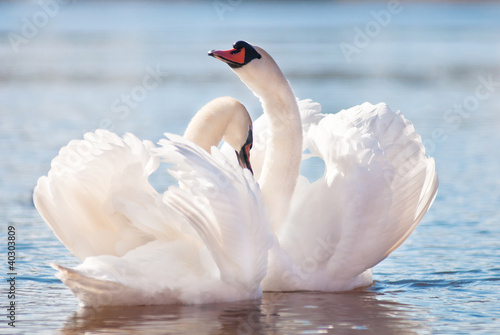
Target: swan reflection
point(277, 312)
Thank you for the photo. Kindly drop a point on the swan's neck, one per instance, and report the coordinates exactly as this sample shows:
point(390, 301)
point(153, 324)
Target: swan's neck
point(284, 152)
point(222, 118)
point(204, 131)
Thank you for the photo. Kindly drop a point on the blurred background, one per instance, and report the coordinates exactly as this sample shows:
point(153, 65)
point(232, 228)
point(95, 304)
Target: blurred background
point(68, 67)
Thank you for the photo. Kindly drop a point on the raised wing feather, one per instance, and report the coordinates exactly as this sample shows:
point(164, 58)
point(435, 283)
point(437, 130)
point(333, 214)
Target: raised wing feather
point(78, 198)
point(205, 240)
point(223, 204)
point(377, 185)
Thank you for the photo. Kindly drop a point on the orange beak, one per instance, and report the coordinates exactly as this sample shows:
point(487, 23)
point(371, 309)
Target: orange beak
point(233, 57)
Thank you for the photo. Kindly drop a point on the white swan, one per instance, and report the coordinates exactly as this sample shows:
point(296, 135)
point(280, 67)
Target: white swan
point(204, 241)
point(377, 184)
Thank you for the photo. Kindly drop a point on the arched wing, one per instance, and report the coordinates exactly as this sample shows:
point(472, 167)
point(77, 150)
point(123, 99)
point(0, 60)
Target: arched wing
point(222, 202)
point(376, 188)
point(85, 193)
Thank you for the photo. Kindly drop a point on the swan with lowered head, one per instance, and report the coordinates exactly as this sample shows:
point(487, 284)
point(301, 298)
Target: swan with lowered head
point(203, 241)
point(376, 187)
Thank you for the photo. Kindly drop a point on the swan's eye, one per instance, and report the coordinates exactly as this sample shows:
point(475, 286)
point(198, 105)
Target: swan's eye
point(234, 51)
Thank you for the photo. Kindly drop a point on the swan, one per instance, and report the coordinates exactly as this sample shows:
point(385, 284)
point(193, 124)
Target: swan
point(376, 187)
point(202, 241)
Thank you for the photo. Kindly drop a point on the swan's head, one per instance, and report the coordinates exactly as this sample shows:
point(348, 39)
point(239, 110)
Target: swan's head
point(238, 133)
point(255, 67)
point(244, 152)
point(227, 119)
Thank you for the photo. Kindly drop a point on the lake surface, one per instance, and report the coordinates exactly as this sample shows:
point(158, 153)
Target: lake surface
point(65, 67)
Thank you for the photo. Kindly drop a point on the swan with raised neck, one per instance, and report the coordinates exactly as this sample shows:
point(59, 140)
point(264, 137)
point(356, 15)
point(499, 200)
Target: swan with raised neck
point(260, 73)
point(227, 119)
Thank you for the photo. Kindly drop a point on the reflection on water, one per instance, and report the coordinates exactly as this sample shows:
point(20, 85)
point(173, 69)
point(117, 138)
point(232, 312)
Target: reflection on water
point(277, 313)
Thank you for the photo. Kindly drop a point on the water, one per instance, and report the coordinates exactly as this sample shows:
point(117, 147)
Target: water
point(70, 73)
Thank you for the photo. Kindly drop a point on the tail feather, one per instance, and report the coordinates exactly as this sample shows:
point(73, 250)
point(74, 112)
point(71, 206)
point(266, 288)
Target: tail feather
point(88, 290)
point(97, 292)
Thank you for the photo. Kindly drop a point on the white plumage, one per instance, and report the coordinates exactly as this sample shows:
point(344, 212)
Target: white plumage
point(205, 240)
point(376, 187)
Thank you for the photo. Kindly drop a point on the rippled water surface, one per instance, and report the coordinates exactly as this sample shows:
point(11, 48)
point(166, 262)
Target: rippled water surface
point(64, 67)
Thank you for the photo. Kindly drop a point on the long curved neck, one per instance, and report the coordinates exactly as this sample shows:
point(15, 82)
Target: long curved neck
point(284, 152)
point(222, 117)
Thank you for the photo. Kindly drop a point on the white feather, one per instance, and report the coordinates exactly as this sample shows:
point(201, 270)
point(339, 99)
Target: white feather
point(376, 187)
point(205, 240)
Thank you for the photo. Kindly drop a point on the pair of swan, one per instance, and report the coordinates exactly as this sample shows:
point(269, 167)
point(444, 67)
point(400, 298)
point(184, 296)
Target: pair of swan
point(223, 233)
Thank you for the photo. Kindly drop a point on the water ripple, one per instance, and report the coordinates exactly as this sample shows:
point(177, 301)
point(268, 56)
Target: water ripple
point(39, 279)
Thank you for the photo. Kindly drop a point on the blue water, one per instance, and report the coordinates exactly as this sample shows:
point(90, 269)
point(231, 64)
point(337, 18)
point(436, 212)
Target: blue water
point(431, 61)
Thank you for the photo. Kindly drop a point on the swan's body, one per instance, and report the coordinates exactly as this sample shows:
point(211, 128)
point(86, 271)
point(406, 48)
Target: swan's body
point(207, 239)
point(377, 184)
point(204, 241)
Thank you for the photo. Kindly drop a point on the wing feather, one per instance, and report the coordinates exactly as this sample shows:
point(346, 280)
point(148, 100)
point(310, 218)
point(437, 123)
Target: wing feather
point(377, 186)
point(223, 204)
point(77, 200)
